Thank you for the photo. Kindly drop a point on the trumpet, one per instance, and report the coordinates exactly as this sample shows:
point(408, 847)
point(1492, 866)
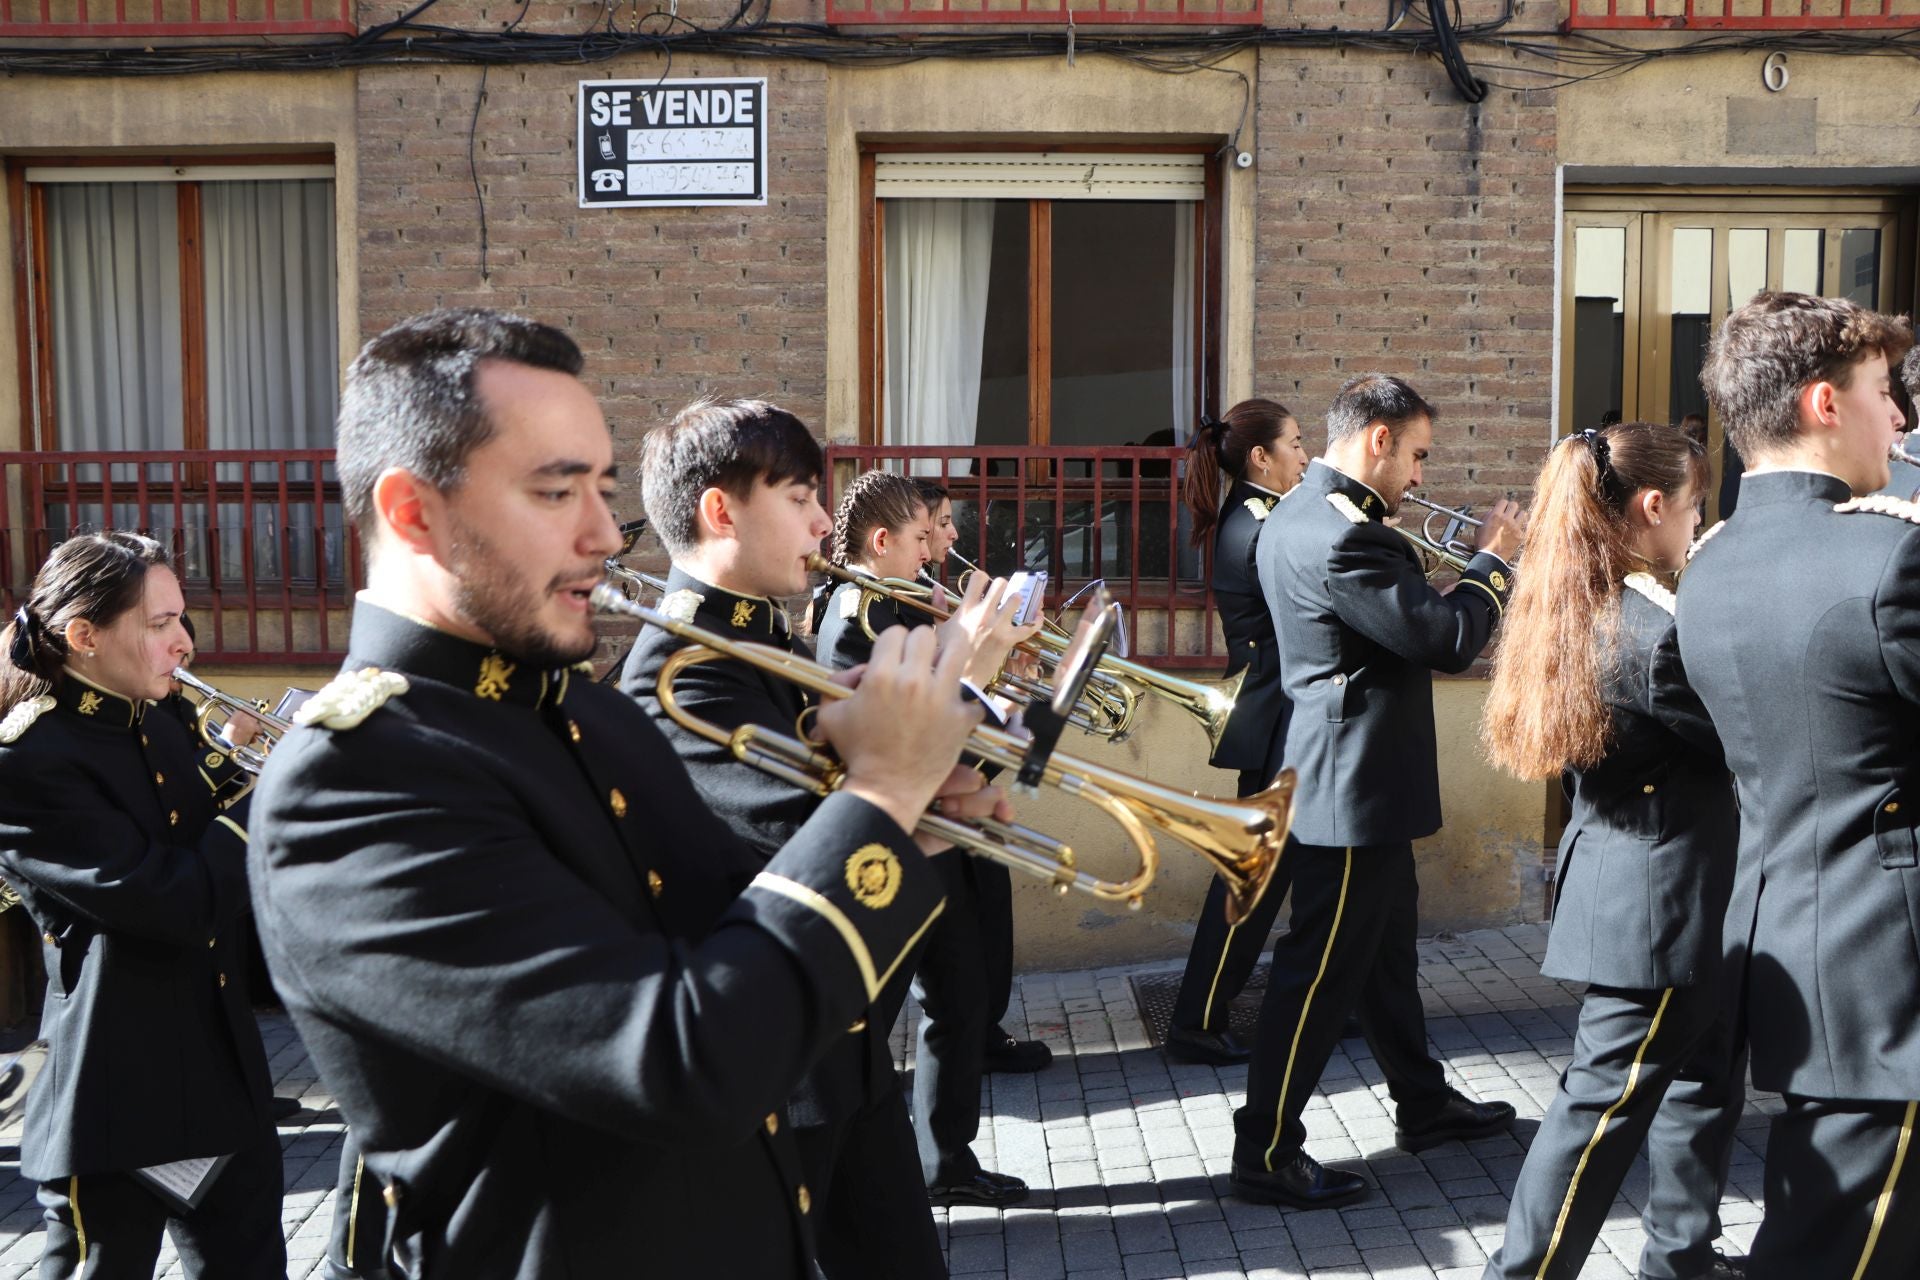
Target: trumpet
point(1442, 549)
point(1241, 840)
point(1897, 452)
point(225, 705)
point(1112, 697)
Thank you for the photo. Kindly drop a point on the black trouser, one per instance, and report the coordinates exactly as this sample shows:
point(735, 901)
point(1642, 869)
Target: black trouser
point(1653, 1066)
point(1843, 1193)
point(871, 1216)
point(993, 889)
point(952, 985)
point(1222, 955)
point(1356, 912)
point(359, 1222)
point(108, 1226)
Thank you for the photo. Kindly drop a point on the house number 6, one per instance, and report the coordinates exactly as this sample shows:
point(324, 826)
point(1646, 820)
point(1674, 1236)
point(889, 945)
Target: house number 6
point(1773, 72)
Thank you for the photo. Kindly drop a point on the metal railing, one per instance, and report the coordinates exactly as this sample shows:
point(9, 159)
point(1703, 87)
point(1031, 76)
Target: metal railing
point(267, 559)
point(1740, 15)
point(1033, 13)
point(105, 19)
point(1079, 513)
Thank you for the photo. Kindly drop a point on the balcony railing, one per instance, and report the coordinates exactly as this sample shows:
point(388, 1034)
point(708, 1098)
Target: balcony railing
point(1740, 15)
point(1079, 514)
point(1035, 13)
point(266, 557)
point(105, 19)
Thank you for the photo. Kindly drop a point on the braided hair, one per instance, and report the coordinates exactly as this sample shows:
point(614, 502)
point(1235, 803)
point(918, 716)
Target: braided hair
point(875, 500)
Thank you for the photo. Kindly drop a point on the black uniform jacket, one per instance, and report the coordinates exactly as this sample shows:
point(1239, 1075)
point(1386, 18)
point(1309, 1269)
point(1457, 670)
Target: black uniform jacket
point(1800, 628)
point(1646, 862)
point(764, 809)
point(110, 836)
point(506, 928)
point(838, 638)
point(1256, 732)
point(1361, 634)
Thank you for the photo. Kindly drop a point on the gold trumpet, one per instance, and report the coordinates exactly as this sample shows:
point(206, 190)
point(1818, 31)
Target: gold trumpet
point(1241, 840)
point(1112, 697)
point(225, 705)
point(1440, 550)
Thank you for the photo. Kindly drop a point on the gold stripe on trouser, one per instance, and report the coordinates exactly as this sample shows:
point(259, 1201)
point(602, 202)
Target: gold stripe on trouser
point(79, 1227)
point(1286, 1080)
point(353, 1216)
point(1886, 1192)
point(1206, 1011)
point(1599, 1131)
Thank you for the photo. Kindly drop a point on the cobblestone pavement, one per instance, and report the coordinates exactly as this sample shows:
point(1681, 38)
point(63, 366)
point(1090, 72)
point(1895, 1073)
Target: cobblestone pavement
point(1128, 1153)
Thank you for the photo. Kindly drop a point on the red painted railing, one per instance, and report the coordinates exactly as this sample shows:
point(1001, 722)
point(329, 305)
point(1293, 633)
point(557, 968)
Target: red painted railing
point(1080, 514)
point(1738, 15)
point(103, 19)
point(1033, 13)
point(268, 560)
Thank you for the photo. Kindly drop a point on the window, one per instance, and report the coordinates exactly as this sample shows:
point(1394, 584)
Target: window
point(1649, 277)
point(187, 307)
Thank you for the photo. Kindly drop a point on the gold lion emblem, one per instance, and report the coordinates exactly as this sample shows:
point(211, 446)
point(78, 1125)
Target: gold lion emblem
point(742, 612)
point(89, 702)
point(873, 873)
point(495, 671)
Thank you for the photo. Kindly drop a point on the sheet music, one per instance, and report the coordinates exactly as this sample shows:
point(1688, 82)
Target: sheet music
point(183, 1181)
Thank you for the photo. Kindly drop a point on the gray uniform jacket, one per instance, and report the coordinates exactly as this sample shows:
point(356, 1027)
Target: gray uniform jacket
point(1800, 628)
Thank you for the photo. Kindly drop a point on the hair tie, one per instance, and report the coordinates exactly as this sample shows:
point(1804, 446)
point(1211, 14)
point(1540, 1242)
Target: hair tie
point(1213, 425)
point(20, 652)
point(1596, 441)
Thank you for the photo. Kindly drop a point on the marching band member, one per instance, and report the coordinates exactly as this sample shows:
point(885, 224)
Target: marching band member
point(882, 528)
point(114, 844)
point(1360, 633)
point(1256, 447)
point(559, 1001)
point(1799, 625)
point(1587, 680)
point(731, 489)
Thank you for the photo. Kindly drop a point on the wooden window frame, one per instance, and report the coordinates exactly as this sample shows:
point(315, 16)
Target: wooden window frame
point(1209, 243)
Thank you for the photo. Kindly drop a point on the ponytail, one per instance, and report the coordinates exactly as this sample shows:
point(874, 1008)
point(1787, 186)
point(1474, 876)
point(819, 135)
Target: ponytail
point(1219, 450)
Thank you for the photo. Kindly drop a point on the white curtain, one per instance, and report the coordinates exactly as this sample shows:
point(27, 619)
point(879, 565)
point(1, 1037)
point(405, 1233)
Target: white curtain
point(273, 354)
point(1184, 314)
point(113, 258)
point(938, 256)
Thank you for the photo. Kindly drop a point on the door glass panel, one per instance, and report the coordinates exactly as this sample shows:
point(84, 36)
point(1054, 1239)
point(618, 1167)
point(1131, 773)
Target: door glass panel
point(1801, 263)
point(1746, 265)
point(1692, 294)
point(1599, 323)
point(1860, 265)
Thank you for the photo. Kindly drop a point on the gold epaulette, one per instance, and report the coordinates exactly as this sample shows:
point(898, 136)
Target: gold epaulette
point(681, 605)
point(849, 604)
point(1650, 587)
point(350, 698)
point(1704, 538)
point(1881, 504)
point(21, 718)
point(1258, 508)
point(1344, 505)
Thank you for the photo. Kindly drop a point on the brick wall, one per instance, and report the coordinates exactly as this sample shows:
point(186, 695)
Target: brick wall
point(668, 304)
point(1403, 230)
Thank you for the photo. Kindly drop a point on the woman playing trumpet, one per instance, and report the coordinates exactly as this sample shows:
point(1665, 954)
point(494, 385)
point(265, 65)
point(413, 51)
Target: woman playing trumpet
point(1587, 684)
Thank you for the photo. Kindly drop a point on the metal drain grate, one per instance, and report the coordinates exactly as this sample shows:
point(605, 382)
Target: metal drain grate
point(1155, 992)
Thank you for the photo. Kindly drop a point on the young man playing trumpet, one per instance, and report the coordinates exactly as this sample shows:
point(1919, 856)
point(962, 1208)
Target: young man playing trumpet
point(731, 488)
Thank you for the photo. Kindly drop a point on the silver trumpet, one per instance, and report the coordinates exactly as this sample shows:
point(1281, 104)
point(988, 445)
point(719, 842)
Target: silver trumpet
point(217, 709)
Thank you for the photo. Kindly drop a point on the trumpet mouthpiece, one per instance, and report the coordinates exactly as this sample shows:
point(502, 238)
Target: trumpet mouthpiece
point(606, 597)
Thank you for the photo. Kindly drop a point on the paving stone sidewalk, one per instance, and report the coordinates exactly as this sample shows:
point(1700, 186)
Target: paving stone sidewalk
point(1128, 1153)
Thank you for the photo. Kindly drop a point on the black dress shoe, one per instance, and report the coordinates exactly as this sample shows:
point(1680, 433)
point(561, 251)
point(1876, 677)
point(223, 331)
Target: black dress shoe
point(1460, 1119)
point(1017, 1057)
point(1300, 1183)
point(985, 1187)
point(284, 1108)
point(1215, 1048)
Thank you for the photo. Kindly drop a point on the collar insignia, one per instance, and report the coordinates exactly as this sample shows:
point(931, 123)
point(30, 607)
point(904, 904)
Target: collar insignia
point(873, 873)
point(1650, 587)
point(1259, 507)
point(742, 613)
point(1344, 505)
point(681, 605)
point(21, 718)
point(89, 703)
point(1879, 504)
point(1702, 540)
point(350, 697)
point(495, 671)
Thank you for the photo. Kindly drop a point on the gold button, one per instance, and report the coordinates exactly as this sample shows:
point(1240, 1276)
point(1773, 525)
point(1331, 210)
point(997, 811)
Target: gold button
point(51, 940)
point(159, 779)
point(143, 739)
point(573, 730)
point(806, 1199)
point(391, 1194)
point(1893, 806)
point(773, 1122)
point(654, 883)
point(1647, 790)
point(173, 817)
point(617, 802)
point(1339, 679)
point(210, 942)
point(223, 979)
point(857, 1027)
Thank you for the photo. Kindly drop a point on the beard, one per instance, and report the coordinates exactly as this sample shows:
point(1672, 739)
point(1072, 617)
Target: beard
point(494, 598)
